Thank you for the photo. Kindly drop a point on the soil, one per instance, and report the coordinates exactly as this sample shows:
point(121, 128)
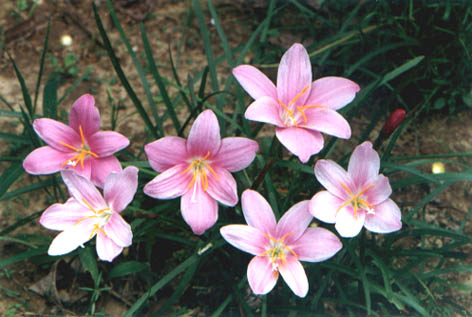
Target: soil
point(24, 38)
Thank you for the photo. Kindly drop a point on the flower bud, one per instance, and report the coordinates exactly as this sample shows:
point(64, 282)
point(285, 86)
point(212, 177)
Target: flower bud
point(393, 122)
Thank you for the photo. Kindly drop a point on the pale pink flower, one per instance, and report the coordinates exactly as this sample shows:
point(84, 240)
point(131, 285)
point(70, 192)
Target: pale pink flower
point(298, 108)
point(198, 169)
point(356, 198)
point(279, 247)
point(79, 146)
point(87, 214)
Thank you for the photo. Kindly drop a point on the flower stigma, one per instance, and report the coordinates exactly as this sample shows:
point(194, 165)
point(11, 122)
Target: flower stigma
point(278, 251)
point(82, 153)
point(200, 167)
point(357, 201)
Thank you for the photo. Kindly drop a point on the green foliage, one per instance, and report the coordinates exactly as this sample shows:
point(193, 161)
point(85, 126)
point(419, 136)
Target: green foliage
point(390, 48)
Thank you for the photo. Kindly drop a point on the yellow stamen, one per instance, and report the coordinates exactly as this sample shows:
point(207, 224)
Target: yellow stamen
point(82, 219)
point(299, 95)
point(96, 228)
point(199, 171)
point(289, 113)
point(88, 205)
point(83, 151)
point(302, 110)
point(73, 148)
point(356, 199)
point(212, 171)
point(276, 251)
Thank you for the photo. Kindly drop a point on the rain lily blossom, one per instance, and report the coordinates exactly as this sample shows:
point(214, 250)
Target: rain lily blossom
point(78, 146)
point(88, 214)
point(300, 109)
point(356, 198)
point(279, 247)
point(199, 169)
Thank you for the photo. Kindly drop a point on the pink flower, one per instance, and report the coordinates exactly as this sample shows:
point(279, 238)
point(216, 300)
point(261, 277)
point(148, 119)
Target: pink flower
point(356, 198)
point(298, 108)
point(87, 214)
point(279, 247)
point(199, 170)
point(79, 146)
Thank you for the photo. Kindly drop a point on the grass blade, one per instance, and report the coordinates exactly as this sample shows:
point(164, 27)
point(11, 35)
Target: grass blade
point(24, 89)
point(41, 65)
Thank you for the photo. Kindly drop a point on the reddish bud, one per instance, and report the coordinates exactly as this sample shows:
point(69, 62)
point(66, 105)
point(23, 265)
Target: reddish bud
point(393, 122)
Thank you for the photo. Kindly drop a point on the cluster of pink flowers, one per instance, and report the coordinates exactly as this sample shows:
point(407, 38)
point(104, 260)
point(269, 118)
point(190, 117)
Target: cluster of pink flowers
point(199, 171)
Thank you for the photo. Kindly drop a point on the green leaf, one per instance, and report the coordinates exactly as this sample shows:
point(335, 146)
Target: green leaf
point(87, 257)
point(24, 89)
point(127, 268)
point(401, 69)
point(50, 97)
point(41, 64)
point(9, 176)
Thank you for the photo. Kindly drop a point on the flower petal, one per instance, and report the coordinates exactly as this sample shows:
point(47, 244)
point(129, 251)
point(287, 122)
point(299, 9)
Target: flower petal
point(316, 245)
point(332, 92)
point(327, 121)
point(331, 176)
point(236, 153)
point(223, 188)
point(265, 109)
point(169, 184)
point(260, 275)
point(120, 188)
point(107, 250)
point(257, 212)
point(46, 160)
point(324, 206)
point(255, 83)
point(200, 210)
point(294, 74)
point(364, 164)
point(294, 275)
point(54, 132)
point(245, 238)
point(347, 224)
point(294, 222)
point(387, 218)
point(85, 114)
point(118, 230)
point(105, 143)
point(166, 152)
point(204, 136)
point(68, 240)
point(301, 142)
point(83, 190)
point(102, 167)
point(380, 192)
point(64, 216)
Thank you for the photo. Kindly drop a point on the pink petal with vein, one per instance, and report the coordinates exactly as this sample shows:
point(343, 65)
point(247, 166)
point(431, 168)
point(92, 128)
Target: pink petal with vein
point(45, 160)
point(245, 238)
point(364, 164)
point(204, 136)
point(255, 83)
point(294, 275)
point(63, 216)
point(120, 188)
point(294, 74)
point(85, 113)
point(260, 275)
point(236, 153)
point(166, 152)
point(380, 192)
point(294, 222)
point(101, 168)
point(72, 238)
point(332, 92)
point(257, 212)
point(324, 206)
point(82, 189)
point(169, 184)
point(118, 230)
point(347, 225)
point(301, 142)
point(105, 143)
point(327, 121)
point(331, 176)
point(200, 210)
point(387, 218)
point(316, 245)
point(223, 188)
point(265, 109)
point(107, 250)
point(53, 132)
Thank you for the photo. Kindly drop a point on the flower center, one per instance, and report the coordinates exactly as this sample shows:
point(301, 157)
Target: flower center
point(82, 153)
point(357, 201)
point(102, 216)
point(278, 251)
point(200, 167)
point(293, 115)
